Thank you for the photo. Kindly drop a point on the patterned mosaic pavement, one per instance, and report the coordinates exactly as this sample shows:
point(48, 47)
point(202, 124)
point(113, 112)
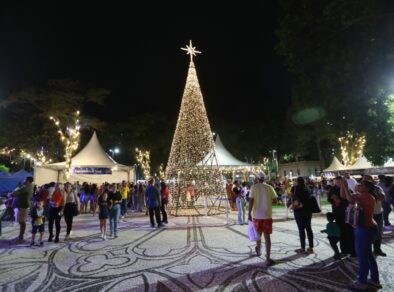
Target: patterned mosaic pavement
point(190, 254)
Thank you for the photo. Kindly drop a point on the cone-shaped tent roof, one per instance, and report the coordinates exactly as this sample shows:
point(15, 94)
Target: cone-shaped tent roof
point(223, 156)
point(361, 163)
point(389, 163)
point(335, 165)
point(91, 155)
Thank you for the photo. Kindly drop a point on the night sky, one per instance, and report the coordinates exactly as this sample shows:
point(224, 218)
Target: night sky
point(134, 51)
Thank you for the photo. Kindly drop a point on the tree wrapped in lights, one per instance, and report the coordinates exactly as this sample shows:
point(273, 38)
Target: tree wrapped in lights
point(188, 172)
point(143, 159)
point(352, 147)
point(162, 172)
point(7, 151)
point(70, 139)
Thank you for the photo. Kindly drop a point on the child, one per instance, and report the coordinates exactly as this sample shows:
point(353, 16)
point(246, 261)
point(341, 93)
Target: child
point(333, 232)
point(103, 213)
point(38, 218)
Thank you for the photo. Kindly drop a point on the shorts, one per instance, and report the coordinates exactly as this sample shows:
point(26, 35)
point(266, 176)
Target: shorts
point(22, 214)
point(39, 228)
point(263, 225)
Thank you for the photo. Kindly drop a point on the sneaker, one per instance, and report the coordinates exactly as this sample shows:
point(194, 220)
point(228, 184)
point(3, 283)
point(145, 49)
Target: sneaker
point(32, 244)
point(300, 250)
point(50, 238)
point(269, 262)
point(56, 240)
point(160, 225)
point(152, 225)
point(309, 250)
point(66, 238)
point(105, 237)
point(71, 233)
point(122, 217)
point(374, 284)
point(380, 253)
point(110, 235)
point(116, 236)
point(41, 243)
point(357, 286)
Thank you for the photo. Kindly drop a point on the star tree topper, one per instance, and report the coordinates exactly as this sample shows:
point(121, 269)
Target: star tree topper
point(191, 51)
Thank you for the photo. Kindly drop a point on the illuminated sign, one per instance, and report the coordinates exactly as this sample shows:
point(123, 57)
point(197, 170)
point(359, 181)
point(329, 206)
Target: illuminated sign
point(92, 170)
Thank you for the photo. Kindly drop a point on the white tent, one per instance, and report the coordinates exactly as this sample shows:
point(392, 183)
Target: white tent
point(92, 164)
point(361, 163)
point(335, 166)
point(389, 163)
point(223, 156)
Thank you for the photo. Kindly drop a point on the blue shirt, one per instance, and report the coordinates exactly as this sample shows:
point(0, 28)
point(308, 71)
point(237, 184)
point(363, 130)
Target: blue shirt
point(152, 197)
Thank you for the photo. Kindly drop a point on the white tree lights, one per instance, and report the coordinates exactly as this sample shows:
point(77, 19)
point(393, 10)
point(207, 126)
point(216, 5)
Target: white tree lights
point(143, 159)
point(70, 139)
point(352, 147)
point(192, 142)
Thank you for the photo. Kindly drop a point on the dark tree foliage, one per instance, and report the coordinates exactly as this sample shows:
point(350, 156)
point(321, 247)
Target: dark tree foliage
point(341, 53)
point(25, 114)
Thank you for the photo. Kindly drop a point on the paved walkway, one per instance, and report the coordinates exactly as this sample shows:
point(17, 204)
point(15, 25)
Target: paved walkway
point(190, 254)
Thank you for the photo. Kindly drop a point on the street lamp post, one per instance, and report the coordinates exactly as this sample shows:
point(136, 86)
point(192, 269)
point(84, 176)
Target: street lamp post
point(114, 151)
point(275, 159)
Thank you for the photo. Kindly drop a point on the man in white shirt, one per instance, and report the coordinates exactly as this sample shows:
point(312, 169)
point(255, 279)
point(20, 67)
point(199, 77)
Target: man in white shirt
point(351, 182)
point(260, 203)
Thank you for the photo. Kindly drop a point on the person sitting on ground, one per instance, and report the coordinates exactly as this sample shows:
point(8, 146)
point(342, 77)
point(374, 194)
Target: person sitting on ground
point(260, 212)
point(37, 221)
point(333, 234)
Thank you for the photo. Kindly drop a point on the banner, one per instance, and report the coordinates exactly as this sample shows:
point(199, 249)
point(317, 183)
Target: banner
point(92, 170)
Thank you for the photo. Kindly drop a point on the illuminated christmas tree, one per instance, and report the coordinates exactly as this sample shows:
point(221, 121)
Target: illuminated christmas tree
point(192, 167)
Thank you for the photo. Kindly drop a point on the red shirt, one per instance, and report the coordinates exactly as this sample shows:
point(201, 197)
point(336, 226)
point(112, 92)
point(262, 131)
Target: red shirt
point(57, 199)
point(164, 193)
point(368, 203)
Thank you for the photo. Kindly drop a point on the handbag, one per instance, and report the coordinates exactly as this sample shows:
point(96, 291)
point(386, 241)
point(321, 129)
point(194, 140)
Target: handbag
point(75, 210)
point(314, 205)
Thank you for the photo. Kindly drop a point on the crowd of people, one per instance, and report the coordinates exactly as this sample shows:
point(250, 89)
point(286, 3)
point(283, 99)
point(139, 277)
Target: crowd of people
point(359, 210)
point(51, 202)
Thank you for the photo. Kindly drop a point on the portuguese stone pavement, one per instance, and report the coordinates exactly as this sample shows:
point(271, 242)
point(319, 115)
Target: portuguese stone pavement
point(189, 254)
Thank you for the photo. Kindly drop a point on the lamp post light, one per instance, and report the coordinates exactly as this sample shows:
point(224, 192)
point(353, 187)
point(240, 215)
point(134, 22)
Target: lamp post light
point(114, 151)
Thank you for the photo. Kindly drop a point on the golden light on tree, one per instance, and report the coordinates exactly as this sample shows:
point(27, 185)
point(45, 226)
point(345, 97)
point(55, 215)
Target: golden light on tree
point(6, 151)
point(192, 169)
point(143, 159)
point(161, 171)
point(352, 147)
point(70, 138)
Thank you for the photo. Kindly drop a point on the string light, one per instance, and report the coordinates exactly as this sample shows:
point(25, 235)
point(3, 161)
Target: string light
point(70, 139)
point(143, 158)
point(187, 170)
point(352, 147)
point(6, 151)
